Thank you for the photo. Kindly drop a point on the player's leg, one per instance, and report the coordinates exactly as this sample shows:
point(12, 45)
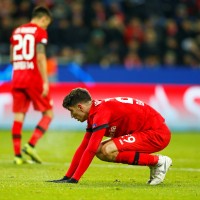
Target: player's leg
point(42, 104)
point(159, 171)
point(111, 151)
point(143, 144)
point(107, 151)
point(20, 107)
point(16, 137)
point(136, 149)
point(41, 127)
point(38, 132)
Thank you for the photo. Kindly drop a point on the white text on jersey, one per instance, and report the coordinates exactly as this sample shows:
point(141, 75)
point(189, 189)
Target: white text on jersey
point(23, 65)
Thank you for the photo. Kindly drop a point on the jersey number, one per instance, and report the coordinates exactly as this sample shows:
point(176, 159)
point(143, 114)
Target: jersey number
point(127, 139)
point(127, 100)
point(27, 46)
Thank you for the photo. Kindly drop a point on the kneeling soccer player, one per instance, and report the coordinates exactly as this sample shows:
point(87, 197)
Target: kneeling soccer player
point(135, 131)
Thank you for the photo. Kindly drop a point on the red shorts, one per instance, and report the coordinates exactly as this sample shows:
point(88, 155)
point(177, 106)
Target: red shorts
point(149, 141)
point(23, 96)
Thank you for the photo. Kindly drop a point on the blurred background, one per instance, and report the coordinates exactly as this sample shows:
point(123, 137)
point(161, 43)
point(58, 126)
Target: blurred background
point(149, 50)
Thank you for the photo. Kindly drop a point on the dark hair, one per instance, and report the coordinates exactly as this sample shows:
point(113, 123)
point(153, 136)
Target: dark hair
point(77, 95)
point(41, 11)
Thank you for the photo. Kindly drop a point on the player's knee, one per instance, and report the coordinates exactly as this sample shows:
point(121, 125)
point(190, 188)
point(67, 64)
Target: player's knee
point(52, 115)
point(108, 153)
point(49, 113)
point(106, 150)
point(100, 156)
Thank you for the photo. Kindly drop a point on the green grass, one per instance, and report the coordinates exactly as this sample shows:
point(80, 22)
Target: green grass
point(102, 180)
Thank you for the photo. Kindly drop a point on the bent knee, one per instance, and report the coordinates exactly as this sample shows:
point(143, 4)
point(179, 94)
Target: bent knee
point(106, 150)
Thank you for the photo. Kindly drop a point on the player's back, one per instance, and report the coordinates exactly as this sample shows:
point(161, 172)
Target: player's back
point(126, 114)
point(24, 57)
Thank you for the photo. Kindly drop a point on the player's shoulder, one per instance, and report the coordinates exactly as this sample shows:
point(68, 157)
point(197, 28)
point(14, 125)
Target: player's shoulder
point(34, 26)
point(25, 28)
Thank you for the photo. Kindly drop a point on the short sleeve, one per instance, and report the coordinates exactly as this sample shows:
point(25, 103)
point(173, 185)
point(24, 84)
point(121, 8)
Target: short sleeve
point(42, 36)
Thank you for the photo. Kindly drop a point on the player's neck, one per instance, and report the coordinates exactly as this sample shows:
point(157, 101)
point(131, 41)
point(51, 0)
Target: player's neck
point(88, 105)
point(37, 22)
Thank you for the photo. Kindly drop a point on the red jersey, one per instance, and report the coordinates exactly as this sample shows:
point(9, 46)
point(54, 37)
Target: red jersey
point(25, 69)
point(122, 116)
point(112, 117)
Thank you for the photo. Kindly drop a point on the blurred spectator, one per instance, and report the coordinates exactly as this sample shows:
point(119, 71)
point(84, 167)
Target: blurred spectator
point(78, 56)
point(171, 47)
point(181, 13)
point(6, 28)
point(8, 8)
point(67, 54)
point(25, 8)
point(110, 59)
point(96, 14)
point(52, 68)
point(151, 45)
point(96, 49)
point(152, 61)
point(171, 28)
point(115, 10)
point(132, 60)
point(190, 60)
point(47, 3)
point(170, 59)
point(134, 31)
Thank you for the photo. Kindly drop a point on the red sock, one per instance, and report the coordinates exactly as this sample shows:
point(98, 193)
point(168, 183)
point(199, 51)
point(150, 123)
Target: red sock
point(16, 137)
point(136, 158)
point(147, 159)
point(125, 157)
point(40, 130)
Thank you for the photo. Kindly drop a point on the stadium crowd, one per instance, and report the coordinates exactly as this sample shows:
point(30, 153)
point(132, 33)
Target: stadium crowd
point(133, 33)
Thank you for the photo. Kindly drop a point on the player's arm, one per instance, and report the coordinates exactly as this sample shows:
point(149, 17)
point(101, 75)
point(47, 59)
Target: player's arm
point(89, 154)
point(75, 160)
point(42, 65)
point(11, 53)
point(78, 154)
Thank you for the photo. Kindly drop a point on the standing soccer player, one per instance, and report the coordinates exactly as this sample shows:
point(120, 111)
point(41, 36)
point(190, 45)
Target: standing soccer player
point(135, 129)
point(30, 81)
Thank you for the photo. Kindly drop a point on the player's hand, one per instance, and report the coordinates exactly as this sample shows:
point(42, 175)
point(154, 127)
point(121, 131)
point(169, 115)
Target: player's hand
point(45, 89)
point(62, 180)
point(72, 180)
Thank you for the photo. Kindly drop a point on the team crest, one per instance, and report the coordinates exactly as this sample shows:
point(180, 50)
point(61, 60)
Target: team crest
point(112, 131)
point(94, 125)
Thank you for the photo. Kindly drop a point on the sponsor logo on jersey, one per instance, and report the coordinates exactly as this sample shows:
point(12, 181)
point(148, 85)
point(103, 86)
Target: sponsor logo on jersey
point(112, 130)
point(22, 65)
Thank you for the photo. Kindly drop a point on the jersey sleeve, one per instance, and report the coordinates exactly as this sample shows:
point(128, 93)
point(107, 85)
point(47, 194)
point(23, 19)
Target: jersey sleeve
point(89, 153)
point(78, 154)
point(101, 119)
point(42, 36)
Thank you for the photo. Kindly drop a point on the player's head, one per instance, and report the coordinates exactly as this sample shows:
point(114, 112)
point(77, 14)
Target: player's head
point(77, 95)
point(78, 102)
point(42, 16)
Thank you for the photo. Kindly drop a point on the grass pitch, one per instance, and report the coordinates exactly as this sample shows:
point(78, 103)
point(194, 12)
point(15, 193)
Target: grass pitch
point(102, 180)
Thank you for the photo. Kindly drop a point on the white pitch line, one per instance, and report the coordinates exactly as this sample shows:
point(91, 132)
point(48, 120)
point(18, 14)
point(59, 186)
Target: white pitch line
point(140, 167)
point(113, 166)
